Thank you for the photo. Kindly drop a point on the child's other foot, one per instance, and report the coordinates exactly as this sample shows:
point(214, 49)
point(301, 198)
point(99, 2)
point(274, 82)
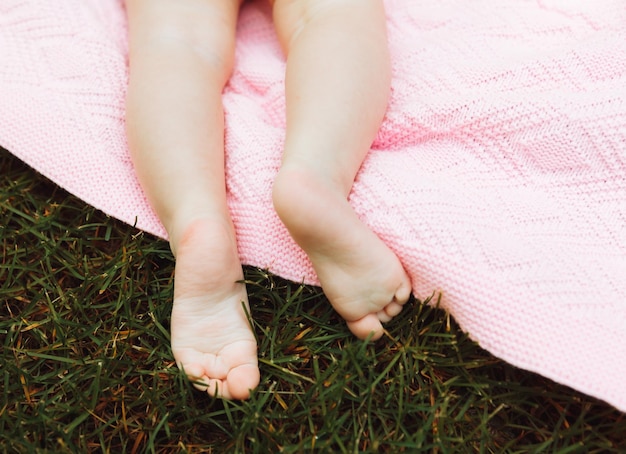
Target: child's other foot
point(212, 340)
point(362, 278)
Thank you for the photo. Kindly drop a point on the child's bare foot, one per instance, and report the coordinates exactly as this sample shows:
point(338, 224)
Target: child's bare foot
point(362, 278)
point(212, 340)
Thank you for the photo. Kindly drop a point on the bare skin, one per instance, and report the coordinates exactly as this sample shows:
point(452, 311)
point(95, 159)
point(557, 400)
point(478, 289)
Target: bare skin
point(181, 55)
point(211, 337)
point(332, 119)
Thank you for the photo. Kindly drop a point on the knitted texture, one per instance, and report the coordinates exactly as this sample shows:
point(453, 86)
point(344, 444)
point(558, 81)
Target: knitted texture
point(498, 176)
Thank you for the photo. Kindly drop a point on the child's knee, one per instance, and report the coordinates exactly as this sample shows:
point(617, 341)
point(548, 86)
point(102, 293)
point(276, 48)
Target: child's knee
point(292, 16)
point(204, 28)
point(288, 20)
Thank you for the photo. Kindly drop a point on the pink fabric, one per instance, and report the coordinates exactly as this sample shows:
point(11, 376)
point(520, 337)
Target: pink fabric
point(498, 175)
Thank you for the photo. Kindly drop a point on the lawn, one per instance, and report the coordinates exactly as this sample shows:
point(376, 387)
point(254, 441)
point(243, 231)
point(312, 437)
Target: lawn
point(87, 367)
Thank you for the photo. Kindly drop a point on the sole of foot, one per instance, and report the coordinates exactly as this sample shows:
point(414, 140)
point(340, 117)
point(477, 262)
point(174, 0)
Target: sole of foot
point(212, 340)
point(362, 278)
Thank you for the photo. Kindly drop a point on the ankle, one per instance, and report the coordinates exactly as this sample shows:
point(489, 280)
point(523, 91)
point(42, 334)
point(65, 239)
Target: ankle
point(291, 191)
point(183, 231)
point(312, 209)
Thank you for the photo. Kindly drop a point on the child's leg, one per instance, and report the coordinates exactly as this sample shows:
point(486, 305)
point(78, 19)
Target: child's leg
point(338, 79)
point(181, 55)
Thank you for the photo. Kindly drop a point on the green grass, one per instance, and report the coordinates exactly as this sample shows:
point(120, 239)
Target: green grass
point(86, 363)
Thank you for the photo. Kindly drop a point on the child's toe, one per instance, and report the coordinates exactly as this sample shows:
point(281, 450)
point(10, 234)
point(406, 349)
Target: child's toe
point(370, 325)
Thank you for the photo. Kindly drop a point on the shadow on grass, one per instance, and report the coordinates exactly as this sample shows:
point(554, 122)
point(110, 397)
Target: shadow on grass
point(87, 367)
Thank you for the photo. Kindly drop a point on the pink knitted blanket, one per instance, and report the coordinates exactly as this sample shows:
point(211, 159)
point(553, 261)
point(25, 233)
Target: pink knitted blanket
point(498, 176)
